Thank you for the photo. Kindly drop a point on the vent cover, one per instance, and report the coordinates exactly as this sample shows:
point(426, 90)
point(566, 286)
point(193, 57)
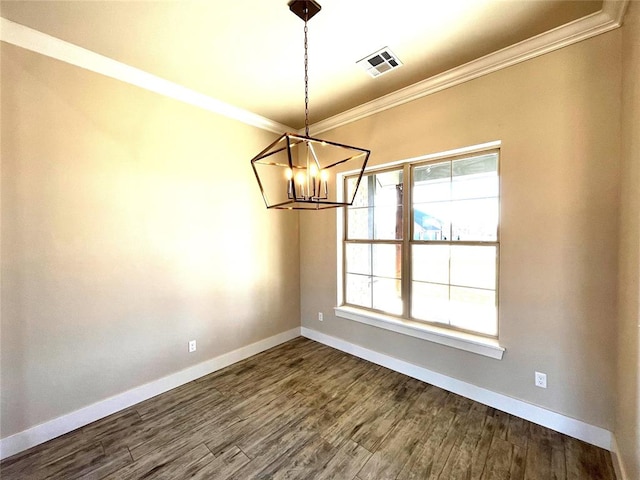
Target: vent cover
point(380, 62)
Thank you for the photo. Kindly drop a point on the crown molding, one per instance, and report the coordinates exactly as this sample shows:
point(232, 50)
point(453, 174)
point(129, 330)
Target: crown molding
point(609, 18)
point(35, 41)
point(615, 9)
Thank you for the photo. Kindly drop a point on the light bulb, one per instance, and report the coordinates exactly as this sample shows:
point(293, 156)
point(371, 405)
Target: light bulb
point(288, 173)
point(300, 179)
point(324, 177)
point(313, 170)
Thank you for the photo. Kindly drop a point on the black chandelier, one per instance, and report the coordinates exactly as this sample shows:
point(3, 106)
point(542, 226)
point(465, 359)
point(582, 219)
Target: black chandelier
point(298, 172)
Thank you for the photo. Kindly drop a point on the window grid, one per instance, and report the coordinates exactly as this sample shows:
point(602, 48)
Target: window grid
point(374, 239)
point(408, 242)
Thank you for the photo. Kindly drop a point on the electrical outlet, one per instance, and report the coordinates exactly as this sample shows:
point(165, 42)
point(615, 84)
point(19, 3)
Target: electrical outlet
point(541, 380)
point(192, 346)
point(320, 316)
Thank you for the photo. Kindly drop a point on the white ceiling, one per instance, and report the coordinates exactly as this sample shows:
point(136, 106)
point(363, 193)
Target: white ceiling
point(249, 53)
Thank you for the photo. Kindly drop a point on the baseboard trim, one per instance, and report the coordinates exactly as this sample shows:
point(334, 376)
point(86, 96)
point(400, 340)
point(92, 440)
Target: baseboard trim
point(597, 436)
point(59, 426)
point(618, 464)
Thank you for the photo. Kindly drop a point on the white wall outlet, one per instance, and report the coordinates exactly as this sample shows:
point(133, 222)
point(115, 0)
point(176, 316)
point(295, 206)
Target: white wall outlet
point(321, 316)
point(192, 346)
point(541, 380)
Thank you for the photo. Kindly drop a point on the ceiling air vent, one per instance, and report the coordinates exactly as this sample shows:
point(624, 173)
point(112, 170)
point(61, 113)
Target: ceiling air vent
point(380, 62)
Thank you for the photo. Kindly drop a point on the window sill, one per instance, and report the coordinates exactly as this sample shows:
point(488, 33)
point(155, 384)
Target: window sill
point(460, 340)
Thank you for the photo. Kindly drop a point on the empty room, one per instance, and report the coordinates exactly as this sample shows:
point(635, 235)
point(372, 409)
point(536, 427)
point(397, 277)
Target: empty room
point(298, 239)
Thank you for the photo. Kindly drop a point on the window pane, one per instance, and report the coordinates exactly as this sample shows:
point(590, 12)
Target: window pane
point(431, 221)
point(430, 302)
point(359, 290)
point(430, 263)
point(388, 223)
point(388, 189)
point(362, 196)
point(475, 220)
point(358, 258)
point(377, 189)
point(387, 260)
point(473, 309)
point(387, 295)
point(377, 208)
point(432, 182)
point(479, 165)
point(473, 266)
point(360, 223)
point(474, 187)
point(475, 177)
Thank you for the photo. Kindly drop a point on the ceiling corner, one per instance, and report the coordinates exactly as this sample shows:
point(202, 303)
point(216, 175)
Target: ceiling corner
point(615, 10)
point(609, 18)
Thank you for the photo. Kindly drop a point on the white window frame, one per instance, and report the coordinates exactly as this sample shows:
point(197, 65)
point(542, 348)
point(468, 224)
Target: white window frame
point(467, 341)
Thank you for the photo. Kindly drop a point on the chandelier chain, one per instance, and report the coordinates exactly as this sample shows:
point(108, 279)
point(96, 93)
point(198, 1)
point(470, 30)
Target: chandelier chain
point(291, 173)
point(306, 79)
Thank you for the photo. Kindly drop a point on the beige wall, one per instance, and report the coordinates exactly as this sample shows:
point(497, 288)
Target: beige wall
point(131, 224)
point(120, 242)
point(628, 400)
point(558, 117)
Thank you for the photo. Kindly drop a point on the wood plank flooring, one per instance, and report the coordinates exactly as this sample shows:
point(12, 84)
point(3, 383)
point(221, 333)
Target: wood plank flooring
point(305, 411)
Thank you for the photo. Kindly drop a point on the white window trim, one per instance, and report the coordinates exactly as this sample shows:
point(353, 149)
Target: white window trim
point(488, 347)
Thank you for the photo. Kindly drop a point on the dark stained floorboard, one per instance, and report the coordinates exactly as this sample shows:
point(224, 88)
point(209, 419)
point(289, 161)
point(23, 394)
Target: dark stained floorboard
point(306, 411)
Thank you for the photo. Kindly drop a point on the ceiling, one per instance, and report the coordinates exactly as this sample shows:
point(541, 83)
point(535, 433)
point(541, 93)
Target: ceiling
point(249, 53)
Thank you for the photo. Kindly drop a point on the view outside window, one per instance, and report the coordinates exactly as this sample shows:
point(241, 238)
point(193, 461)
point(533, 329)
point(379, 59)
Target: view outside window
point(452, 252)
point(373, 250)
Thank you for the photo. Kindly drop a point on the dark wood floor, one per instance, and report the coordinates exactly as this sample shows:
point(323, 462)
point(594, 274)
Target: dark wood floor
point(305, 411)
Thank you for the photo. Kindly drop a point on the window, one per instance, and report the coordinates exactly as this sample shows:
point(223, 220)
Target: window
point(421, 243)
point(373, 250)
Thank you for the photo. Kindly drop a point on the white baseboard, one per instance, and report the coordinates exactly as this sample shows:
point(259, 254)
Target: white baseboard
point(569, 426)
point(618, 465)
point(59, 426)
